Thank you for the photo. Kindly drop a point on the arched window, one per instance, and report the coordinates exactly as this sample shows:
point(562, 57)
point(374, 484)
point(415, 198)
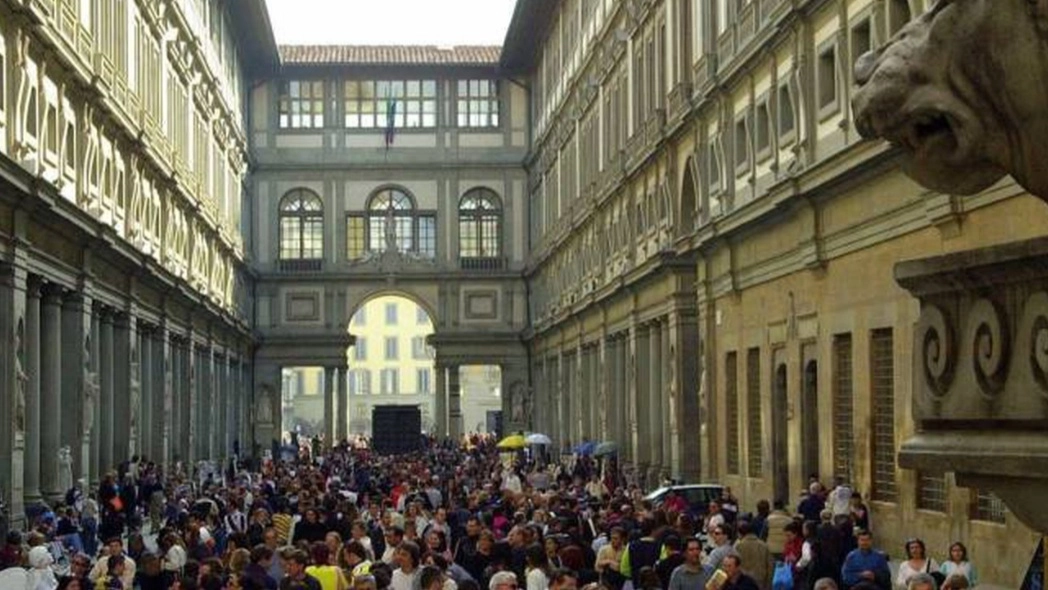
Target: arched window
point(301, 226)
point(480, 226)
point(391, 222)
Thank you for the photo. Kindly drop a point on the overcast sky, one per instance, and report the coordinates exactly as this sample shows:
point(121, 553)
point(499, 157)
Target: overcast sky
point(390, 22)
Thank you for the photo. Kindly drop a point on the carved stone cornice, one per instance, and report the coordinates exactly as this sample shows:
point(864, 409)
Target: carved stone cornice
point(980, 391)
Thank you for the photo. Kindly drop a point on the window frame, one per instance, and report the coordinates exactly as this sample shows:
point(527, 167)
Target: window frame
point(285, 100)
point(426, 104)
point(389, 379)
point(306, 218)
point(884, 481)
point(491, 118)
point(785, 86)
point(742, 120)
point(732, 431)
point(833, 106)
point(391, 348)
point(480, 219)
point(409, 218)
point(754, 417)
point(762, 154)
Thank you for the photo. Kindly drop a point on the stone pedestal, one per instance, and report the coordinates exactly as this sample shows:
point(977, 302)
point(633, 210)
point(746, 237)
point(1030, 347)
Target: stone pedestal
point(981, 372)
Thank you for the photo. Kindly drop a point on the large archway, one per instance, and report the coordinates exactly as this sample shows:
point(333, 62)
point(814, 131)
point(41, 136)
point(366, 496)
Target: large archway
point(391, 362)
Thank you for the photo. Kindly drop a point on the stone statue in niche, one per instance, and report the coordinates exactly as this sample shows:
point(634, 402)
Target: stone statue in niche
point(65, 469)
point(21, 378)
point(90, 388)
point(264, 406)
point(962, 144)
point(135, 393)
point(391, 231)
point(518, 403)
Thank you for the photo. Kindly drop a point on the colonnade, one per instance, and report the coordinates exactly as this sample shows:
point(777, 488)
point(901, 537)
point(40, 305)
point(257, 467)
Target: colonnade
point(95, 380)
point(636, 386)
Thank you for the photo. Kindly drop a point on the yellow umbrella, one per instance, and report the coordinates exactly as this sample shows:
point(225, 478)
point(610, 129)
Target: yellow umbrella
point(513, 441)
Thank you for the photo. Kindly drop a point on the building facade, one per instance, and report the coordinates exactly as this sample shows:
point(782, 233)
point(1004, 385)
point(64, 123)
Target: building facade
point(712, 253)
point(389, 171)
point(654, 217)
point(122, 159)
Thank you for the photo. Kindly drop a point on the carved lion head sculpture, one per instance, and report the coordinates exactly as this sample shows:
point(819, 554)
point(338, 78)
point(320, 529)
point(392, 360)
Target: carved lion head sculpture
point(963, 89)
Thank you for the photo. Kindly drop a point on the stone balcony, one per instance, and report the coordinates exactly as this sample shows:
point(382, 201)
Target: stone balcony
point(980, 391)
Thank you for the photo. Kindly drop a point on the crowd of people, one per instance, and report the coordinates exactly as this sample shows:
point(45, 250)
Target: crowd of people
point(451, 517)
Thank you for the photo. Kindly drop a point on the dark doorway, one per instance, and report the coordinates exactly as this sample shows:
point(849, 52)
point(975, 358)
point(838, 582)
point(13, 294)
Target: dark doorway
point(780, 436)
point(810, 419)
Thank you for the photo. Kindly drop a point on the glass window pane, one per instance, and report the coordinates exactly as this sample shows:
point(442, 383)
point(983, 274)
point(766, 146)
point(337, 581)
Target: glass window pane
point(413, 88)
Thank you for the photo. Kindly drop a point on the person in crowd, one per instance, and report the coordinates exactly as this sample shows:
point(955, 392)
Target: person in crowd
point(256, 573)
point(729, 505)
point(825, 584)
point(917, 562)
point(295, 566)
point(775, 530)
point(672, 558)
point(115, 548)
point(736, 577)
point(860, 514)
point(324, 569)
point(641, 552)
point(609, 559)
point(538, 568)
point(405, 577)
point(41, 574)
point(958, 566)
point(503, 581)
point(755, 554)
point(722, 547)
point(866, 566)
point(689, 575)
point(922, 581)
point(812, 504)
point(564, 579)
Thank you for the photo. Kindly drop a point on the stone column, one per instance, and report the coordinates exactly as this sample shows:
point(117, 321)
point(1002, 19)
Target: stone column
point(145, 401)
point(639, 400)
point(125, 359)
point(51, 391)
point(655, 414)
point(594, 398)
point(79, 386)
point(107, 395)
point(95, 442)
point(441, 401)
point(221, 398)
point(563, 398)
point(342, 415)
point(13, 388)
point(31, 347)
point(329, 405)
point(127, 387)
point(209, 401)
point(685, 349)
point(192, 396)
point(178, 408)
point(454, 403)
point(161, 392)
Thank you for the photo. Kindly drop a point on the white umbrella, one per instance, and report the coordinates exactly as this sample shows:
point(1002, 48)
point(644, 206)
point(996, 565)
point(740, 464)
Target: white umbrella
point(537, 439)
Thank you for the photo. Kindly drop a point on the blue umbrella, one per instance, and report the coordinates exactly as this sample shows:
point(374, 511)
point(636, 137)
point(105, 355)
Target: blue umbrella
point(586, 448)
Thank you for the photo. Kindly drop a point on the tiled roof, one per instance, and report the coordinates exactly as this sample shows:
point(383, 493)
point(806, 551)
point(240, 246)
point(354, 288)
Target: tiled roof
point(390, 54)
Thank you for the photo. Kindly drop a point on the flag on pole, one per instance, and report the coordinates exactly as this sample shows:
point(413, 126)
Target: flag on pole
point(391, 116)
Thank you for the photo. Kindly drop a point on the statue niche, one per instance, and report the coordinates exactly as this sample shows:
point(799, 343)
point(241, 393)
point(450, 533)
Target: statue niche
point(954, 143)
